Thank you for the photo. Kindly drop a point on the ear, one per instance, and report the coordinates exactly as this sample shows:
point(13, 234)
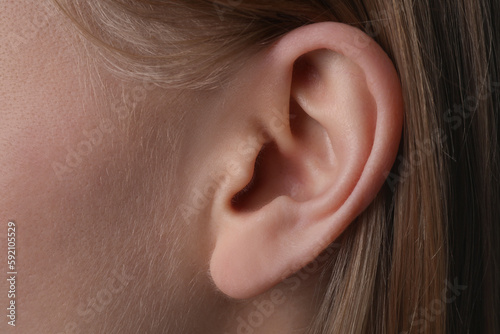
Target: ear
point(325, 108)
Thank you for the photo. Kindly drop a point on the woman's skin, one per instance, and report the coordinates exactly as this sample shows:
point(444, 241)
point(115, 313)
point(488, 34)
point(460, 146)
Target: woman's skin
point(76, 205)
point(121, 191)
point(99, 222)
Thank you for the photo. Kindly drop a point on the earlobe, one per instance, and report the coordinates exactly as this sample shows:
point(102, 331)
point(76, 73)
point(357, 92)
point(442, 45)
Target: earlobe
point(314, 175)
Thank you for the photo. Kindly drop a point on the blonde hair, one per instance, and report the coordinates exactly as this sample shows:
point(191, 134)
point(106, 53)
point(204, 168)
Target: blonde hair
point(432, 225)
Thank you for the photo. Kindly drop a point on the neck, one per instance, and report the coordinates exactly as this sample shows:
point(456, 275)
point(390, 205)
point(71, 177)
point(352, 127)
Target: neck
point(287, 308)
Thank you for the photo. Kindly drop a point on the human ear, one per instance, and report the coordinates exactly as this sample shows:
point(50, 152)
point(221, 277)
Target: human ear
point(325, 111)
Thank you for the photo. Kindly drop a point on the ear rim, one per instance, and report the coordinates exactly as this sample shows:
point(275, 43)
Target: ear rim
point(357, 46)
point(366, 51)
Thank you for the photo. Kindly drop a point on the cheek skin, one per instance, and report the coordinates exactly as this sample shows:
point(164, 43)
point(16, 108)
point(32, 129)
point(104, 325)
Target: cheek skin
point(76, 214)
point(44, 110)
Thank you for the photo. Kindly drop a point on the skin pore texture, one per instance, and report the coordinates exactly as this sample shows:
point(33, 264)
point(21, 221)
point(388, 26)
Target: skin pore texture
point(141, 209)
point(105, 212)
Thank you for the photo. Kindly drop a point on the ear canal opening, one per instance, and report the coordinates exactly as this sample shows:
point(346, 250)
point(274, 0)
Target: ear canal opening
point(277, 173)
point(253, 196)
point(241, 197)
